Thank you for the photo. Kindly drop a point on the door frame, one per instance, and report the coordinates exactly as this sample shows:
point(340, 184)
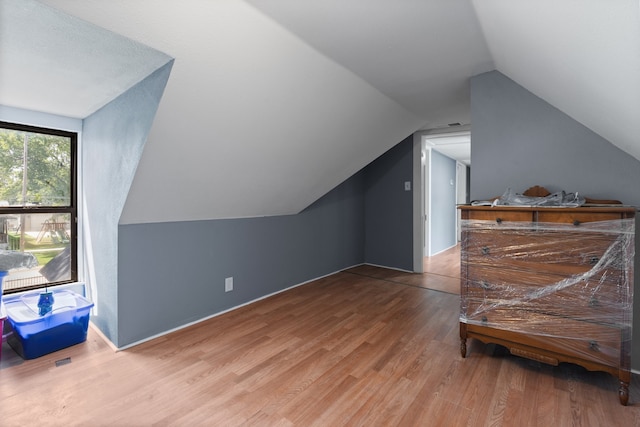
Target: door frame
point(418, 204)
point(421, 196)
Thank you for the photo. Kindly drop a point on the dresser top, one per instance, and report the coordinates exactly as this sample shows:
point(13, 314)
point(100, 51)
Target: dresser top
point(584, 208)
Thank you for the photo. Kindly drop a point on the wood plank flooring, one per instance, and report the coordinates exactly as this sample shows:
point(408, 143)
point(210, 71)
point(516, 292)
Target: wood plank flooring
point(441, 272)
point(348, 349)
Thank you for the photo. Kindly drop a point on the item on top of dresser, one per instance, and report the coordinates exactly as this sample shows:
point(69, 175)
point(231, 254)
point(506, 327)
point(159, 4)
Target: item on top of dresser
point(536, 192)
point(560, 198)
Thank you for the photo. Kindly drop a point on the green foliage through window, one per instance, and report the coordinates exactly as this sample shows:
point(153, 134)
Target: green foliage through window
point(35, 169)
point(38, 207)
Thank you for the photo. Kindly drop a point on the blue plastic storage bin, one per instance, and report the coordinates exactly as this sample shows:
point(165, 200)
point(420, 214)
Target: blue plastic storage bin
point(34, 335)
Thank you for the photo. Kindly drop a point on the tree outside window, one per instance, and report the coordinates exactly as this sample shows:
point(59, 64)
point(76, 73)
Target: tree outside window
point(37, 206)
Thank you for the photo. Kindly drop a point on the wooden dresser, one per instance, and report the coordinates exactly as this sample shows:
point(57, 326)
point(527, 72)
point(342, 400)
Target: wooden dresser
point(550, 284)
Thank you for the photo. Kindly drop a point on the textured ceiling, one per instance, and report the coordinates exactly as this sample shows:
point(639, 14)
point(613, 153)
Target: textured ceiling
point(581, 56)
point(278, 101)
point(54, 63)
point(420, 53)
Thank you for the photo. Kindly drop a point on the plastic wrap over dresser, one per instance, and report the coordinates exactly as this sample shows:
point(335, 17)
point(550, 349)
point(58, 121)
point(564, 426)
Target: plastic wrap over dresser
point(551, 284)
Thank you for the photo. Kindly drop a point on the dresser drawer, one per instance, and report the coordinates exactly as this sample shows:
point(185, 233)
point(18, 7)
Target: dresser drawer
point(600, 298)
point(518, 274)
point(537, 247)
point(576, 218)
point(608, 283)
point(583, 340)
point(499, 216)
point(603, 315)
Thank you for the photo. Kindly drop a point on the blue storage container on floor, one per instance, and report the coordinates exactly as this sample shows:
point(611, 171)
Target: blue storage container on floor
point(35, 335)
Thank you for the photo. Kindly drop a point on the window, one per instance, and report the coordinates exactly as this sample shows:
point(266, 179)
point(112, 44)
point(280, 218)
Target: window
point(38, 212)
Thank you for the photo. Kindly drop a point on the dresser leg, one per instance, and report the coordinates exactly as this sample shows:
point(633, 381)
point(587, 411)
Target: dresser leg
point(463, 339)
point(623, 392)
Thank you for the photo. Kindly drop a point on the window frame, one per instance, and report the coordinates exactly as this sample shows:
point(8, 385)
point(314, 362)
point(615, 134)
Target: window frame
point(72, 209)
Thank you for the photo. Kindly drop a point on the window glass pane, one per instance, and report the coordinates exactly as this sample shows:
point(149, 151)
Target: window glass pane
point(35, 169)
point(35, 249)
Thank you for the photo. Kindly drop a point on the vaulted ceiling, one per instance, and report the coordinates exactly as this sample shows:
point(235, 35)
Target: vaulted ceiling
point(271, 103)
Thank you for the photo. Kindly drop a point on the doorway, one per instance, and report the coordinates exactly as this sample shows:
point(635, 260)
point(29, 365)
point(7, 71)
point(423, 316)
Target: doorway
point(442, 167)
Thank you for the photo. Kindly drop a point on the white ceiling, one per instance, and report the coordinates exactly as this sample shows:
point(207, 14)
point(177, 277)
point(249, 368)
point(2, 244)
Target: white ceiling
point(71, 68)
point(278, 101)
point(581, 56)
point(454, 145)
point(419, 53)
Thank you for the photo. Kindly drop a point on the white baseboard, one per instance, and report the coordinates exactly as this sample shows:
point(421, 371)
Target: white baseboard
point(186, 325)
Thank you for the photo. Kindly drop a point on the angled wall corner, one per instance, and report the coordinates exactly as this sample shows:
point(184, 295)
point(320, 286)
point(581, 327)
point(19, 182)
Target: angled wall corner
point(113, 139)
point(389, 208)
point(519, 140)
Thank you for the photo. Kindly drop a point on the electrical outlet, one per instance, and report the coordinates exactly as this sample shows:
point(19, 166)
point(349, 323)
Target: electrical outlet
point(228, 284)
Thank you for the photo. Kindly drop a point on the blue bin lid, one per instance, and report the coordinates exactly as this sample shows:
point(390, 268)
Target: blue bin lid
point(23, 309)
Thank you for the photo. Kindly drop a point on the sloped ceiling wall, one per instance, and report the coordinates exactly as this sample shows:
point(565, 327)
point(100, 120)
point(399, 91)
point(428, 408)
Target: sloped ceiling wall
point(253, 121)
point(419, 52)
point(54, 63)
point(272, 103)
point(581, 56)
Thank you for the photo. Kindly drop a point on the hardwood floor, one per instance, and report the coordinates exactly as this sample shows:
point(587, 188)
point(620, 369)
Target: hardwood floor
point(344, 350)
point(445, 263)
point(441, 272)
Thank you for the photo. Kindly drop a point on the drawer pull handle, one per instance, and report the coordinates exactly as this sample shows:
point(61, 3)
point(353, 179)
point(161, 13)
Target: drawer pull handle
point(499, 220)
point(576, 222)
point(593, 302)
point(593, 345)
point(485, 250)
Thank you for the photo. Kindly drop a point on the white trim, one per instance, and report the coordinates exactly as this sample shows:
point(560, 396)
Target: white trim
point(421, 204)
point(103, 336)
point(195, 322)
point(418, 205)
point(43, 120)
point(446, 249)
point(426, 189)
point(80, 243)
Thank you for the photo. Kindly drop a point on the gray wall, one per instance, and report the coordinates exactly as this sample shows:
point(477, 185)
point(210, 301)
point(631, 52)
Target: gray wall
point(518, 140)
point(171, 274)
point(112, 142)
point(389, 208)
point(443, 202)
